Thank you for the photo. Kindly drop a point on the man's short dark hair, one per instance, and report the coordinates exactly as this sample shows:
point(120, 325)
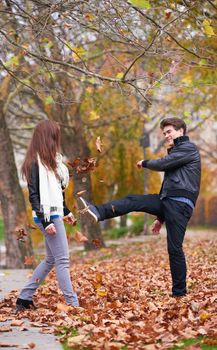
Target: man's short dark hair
point(177, 123)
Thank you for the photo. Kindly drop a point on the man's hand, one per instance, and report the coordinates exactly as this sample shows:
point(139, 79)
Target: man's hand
point(50, 229)
point(156, 227)
point(139, 164)
point(70, 219)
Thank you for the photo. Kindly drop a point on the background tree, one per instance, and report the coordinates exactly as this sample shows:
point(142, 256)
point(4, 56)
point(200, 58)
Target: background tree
point(12, 202)
point(107, 68)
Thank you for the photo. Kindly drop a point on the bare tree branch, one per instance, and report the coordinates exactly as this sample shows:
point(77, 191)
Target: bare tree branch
point(166, 32)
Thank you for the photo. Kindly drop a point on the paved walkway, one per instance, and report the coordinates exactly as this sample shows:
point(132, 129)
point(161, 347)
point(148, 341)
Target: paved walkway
point(13, 280)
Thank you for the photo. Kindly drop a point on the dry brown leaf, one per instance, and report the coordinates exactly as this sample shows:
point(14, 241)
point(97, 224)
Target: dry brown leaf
point(4, 318)
point(32, 227)
point(36, 324)
point(97, 243)
point(29, 260)
point(99, 144)
point(86, 165)
point(79, 237)
point(5, 329)
point(209, 341)
point(20, 232)
point(99, 277)
point(202, 331)
point(46, 330)
point(80, 193)
point(63, 307)
point(75, 340)
point(74, 163)
point(152, 306)
point(17, 323)
point(113, 345)
point(8, 345)
point(195, 306)
point(97, 283)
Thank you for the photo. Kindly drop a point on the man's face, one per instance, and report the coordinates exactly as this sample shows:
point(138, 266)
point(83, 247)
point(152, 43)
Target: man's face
point(171, 134)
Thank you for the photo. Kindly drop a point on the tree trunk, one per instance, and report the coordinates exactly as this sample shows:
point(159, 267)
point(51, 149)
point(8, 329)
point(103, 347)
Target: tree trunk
point(75, 146)
point(145, 227)
point(12, 201)
point(123, 221)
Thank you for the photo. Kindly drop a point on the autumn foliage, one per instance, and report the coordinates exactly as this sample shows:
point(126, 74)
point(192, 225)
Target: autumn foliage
point(124, 297)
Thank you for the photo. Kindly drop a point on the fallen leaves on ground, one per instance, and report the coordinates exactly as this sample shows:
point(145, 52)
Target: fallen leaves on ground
point(124, 298)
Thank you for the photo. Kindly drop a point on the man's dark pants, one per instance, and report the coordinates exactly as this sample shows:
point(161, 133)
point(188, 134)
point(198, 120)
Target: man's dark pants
point(175, 215)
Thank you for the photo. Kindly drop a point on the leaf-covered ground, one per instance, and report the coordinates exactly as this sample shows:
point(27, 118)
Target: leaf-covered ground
point(124, 296)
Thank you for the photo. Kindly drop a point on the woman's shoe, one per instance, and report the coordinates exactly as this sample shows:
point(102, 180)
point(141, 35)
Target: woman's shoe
point(22, 304)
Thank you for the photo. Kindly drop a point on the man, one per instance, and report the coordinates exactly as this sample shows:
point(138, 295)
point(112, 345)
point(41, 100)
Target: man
point(175, 202)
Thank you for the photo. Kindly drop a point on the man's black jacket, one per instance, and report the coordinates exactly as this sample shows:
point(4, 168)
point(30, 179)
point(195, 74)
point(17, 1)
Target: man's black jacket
point(182, 169)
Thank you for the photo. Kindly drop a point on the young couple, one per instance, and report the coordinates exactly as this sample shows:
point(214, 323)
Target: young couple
point(47, 177)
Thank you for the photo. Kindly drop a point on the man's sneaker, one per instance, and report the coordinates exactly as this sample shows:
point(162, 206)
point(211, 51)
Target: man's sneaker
point(22, 304)
point(89, 209)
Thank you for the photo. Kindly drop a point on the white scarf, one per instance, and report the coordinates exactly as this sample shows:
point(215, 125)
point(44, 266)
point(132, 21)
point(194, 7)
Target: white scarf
point(50, 187)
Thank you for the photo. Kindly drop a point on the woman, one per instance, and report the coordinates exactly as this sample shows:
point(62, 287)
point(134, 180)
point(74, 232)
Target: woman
point(47, 177)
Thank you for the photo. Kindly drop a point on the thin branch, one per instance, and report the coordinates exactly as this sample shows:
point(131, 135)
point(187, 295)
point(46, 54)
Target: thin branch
point(140, 93)
point(142, 54)
point(14, 76)
point(66, 64)
point(211, 3)
point(157, 34)
point(13, 93)
point(14, 14)
point(166, 32)
point(22, 10)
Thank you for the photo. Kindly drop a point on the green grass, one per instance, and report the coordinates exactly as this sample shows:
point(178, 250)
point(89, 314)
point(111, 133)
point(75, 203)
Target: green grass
point(134, 229)
point(1, 230)
point(138, 226)
point(116, 232)
point(183, 344)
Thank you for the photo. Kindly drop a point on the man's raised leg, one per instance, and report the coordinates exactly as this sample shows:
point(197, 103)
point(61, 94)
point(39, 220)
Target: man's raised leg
point(148, 203)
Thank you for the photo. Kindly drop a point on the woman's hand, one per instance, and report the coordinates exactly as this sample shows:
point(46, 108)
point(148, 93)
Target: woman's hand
point(51, 230)
point(70, 219)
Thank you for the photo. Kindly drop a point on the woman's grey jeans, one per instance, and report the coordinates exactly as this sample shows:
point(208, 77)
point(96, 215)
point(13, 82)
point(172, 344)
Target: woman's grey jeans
point(57, 254)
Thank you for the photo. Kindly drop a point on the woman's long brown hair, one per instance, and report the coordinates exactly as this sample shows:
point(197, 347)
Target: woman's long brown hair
point(45, 142)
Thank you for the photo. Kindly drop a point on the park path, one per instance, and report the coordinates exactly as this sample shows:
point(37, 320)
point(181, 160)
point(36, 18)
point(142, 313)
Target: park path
point(15, 279)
